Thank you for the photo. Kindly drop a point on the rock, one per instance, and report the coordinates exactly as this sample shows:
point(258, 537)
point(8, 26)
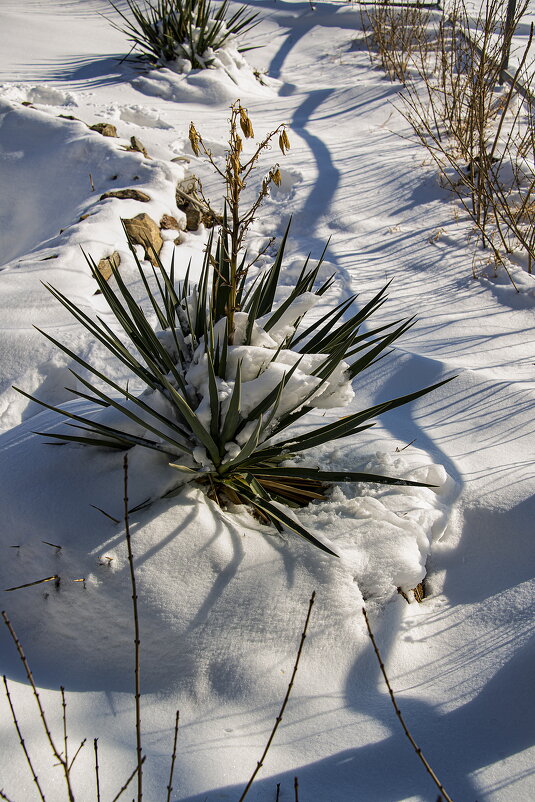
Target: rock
point(107, 265)
point(193, 207)
point(167, 222)
point(106, 129)
point(143, 230)
point(193, 217)
point(127, 194)
point(185, 187)
point(69, 117)
point(137, 145)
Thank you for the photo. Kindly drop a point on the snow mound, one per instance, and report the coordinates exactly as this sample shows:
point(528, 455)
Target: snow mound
point(53, 172)
point(40, 95)
point(228, 77)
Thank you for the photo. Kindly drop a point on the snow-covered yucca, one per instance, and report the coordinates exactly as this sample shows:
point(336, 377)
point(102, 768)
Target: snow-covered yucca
point(183, 29)
point(227, 369)
point(223, 412)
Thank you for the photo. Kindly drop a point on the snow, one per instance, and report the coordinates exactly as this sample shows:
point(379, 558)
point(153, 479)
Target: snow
point(222, 597)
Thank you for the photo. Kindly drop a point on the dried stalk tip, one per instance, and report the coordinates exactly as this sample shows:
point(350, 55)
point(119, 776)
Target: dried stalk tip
point(246, 124)
point(194, 139)
point(284, 142)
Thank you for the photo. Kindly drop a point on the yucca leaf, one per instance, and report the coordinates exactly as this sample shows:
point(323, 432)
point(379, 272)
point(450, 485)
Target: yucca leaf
point(214, 399)
point(271, 397)
point(273, 512)
point(317, 475)
point(132, 415)
point(272, 280)
point(368, 358)
point(94, 426)
point(99, 442)
point(326, 323)
point(245, 452)
point(233, 417)
point(135, 399)
point(346, 426)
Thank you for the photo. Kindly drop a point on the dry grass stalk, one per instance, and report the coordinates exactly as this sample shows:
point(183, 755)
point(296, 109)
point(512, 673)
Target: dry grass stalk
point(406, 730)
point(285, 702)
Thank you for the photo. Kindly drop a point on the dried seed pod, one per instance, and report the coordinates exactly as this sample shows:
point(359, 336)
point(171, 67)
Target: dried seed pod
point(194, 139)
point(276, 177)
point(284, 142)
point(246, 124)
point(239, 144)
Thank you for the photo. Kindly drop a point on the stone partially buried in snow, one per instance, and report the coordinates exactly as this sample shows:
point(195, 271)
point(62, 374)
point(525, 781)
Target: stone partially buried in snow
point(169, 223)
point(144, 231)
point(106, 129)
point(127, 194)
point(107, 265)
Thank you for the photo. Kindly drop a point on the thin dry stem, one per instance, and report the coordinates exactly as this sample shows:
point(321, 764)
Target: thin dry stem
point(399, 715)
point(129, 780)
point(137, 642)
point(285, 702)
point(22, 741)
point(173, 758)
point(97, 776)
point(61, 760)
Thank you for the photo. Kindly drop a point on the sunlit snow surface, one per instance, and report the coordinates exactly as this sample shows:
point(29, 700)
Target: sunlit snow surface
point(223, 598)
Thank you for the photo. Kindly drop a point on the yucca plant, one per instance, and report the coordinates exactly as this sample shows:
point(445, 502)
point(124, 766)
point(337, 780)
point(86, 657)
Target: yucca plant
point(223, 412)
point(186, 29)
point(227, 370)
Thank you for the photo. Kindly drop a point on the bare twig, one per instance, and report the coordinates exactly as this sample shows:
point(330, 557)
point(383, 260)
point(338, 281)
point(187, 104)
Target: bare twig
point(97, 777)
point(415, 746)
point(173, 758)
point(61, 760)
point(64, 717)
point(296, 789)
point(285, 702)
point(82, 744)
point(137, 641)
point(6, 798)
point(22, 742)
point(127, 783)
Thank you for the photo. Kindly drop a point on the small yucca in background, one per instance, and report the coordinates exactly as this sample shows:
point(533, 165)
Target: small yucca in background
point(183, 29)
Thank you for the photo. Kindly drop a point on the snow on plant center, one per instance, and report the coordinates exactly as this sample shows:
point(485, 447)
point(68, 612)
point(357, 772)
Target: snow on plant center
point(222, 594)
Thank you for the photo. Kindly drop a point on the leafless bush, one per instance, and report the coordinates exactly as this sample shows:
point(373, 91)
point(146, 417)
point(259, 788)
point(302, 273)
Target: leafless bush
point(478, 131)
point(399, 36)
